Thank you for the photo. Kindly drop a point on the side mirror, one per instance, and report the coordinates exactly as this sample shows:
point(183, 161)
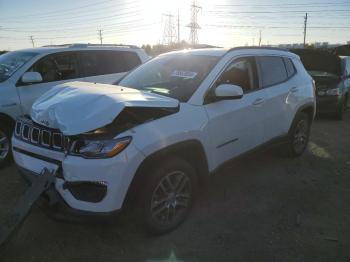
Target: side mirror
point(227, 91)
point(31, 77)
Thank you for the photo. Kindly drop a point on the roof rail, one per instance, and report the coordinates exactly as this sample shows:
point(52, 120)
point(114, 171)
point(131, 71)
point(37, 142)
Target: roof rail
point(258, 47)
point(103, 45)
point(63, 45)
point(82, 45)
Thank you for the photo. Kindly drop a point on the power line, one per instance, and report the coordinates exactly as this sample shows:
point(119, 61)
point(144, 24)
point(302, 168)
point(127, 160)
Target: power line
point(60, 11)
point(289, 5)
point(87, 19)
point(193, 25)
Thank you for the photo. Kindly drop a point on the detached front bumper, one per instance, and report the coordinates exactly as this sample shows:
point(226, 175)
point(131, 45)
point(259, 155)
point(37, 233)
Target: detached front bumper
point(84, 185)
point(55, 206)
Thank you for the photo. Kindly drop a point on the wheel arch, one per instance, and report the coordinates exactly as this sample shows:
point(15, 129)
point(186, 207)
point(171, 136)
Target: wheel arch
point(7, 120)
point(190, 150)
point(308, 109)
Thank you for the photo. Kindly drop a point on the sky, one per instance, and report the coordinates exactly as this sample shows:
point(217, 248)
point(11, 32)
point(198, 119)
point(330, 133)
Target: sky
point(225, 23)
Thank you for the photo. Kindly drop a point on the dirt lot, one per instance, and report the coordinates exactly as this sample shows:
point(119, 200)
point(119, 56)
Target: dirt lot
point(264, 207)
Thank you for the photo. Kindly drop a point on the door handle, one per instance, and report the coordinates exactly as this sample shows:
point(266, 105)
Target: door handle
point(294, 89)
point(258, 101)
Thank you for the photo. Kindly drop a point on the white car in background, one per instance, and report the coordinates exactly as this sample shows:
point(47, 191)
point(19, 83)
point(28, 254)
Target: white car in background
point(167, 125)
point(27, 74)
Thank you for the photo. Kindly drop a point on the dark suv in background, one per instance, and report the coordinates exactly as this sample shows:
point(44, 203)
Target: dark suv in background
point(332, 77)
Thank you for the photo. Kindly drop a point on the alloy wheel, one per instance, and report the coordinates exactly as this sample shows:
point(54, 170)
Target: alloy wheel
point(171, 198)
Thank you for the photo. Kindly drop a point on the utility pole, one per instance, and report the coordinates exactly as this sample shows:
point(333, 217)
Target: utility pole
point(32, 40)
point(260, 38)
point(305, 26)
point(178, 26)
point(100, 36)
point(193, 25)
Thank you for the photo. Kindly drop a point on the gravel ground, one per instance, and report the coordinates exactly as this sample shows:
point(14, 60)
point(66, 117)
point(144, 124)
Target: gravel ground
point(264, 207)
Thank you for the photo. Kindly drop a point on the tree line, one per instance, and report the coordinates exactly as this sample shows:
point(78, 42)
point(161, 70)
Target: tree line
point(154, 50)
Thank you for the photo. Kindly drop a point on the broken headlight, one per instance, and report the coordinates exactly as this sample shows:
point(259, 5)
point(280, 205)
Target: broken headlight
point(100, 148)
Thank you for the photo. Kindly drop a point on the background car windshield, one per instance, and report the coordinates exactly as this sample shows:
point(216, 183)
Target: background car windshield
point(12, 61)
point(174, 76)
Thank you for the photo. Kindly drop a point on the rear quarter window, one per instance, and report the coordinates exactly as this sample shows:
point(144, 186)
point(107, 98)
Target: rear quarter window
point(289, 67)
point(272, 69)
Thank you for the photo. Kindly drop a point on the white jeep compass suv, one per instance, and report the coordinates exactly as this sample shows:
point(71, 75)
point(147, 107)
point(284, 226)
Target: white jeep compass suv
point(27, 74)
point(169, 124)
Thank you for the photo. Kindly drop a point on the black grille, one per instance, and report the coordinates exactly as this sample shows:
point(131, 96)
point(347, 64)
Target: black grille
point(30, 132)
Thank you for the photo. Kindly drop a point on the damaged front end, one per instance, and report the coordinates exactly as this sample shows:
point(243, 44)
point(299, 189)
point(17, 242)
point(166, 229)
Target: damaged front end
point(101, 142)
point(81, 133)
point(85, 119)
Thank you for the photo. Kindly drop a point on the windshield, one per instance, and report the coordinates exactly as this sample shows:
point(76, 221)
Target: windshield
point(12, 61)
point(174, 76)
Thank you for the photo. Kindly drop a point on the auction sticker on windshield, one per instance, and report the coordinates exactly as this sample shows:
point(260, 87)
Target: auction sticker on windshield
point(184, 74)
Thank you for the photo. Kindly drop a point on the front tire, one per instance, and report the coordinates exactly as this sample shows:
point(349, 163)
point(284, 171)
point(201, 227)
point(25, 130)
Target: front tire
point(5, 145)
point(299, 134)
point(168, 195)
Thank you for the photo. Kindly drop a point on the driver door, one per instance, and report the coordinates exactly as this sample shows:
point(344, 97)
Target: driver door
point(55, 69)
point(236, 126)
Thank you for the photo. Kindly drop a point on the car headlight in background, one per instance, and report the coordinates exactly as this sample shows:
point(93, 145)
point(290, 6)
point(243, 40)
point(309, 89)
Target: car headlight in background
point(100, 148)
point(333, 92)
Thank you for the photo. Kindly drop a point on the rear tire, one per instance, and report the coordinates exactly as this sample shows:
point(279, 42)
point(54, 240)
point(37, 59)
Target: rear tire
point(5, 145)
point(167, 195)
point(298, 136)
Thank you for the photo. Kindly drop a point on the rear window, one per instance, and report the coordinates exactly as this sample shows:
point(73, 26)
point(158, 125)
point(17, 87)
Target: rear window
point(321, 61)
point(273, 70)
point(289, 67)
point(107, 62)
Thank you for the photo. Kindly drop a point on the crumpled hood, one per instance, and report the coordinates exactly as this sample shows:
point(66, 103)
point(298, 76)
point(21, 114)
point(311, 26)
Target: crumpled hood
point(79, 107)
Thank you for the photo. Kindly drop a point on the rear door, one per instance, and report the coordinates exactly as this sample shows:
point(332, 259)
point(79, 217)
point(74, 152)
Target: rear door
point(55, 69)
point(107, 66)
point(276, 75)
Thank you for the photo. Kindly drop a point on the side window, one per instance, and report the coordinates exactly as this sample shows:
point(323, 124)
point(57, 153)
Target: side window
point(107, 62)
point(289, 66)
point(273, 70)
point(57, 67)
point(241, 72)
